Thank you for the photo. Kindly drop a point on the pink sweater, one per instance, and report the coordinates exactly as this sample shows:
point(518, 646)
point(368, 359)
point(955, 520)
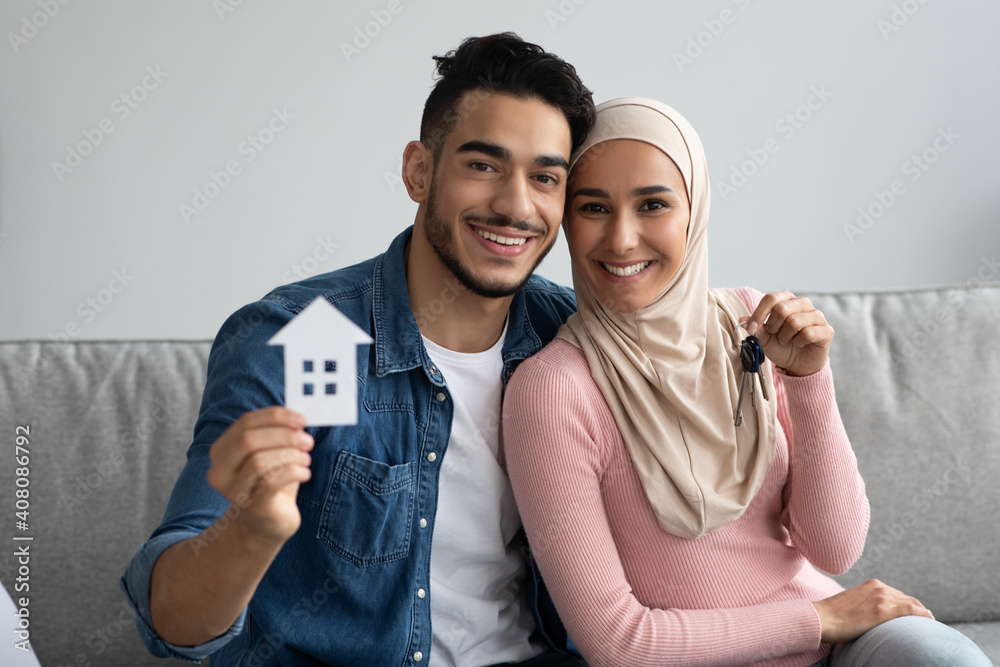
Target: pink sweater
point(632, 594)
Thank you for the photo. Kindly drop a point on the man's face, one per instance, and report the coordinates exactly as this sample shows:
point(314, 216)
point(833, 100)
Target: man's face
point(496, 198)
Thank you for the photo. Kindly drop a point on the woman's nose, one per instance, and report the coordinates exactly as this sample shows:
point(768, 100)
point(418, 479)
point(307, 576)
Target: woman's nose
point(623, 234)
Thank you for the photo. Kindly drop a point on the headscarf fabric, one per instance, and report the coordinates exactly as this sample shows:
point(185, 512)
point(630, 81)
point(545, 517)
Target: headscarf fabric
point(670, 371)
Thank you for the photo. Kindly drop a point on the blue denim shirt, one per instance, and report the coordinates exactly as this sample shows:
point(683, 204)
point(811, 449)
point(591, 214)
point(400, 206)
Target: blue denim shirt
point(343, 589)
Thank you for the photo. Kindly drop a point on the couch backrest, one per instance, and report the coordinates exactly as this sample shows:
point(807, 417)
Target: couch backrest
point(917, 376)
point(918, 383)
point(110, 423)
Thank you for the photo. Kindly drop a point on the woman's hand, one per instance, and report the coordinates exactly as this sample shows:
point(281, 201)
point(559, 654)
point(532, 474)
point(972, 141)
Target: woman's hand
point(795, 335)
point(849, 614)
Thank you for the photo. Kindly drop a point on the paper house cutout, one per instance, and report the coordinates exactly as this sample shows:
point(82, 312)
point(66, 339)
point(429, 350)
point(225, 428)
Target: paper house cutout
point(321, 364)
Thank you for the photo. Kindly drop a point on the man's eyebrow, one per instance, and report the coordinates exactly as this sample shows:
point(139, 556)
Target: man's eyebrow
point(477, 146)
point(552, 161)
point(501, 153)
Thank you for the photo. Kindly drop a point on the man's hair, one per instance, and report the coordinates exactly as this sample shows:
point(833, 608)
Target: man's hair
point(504, 63)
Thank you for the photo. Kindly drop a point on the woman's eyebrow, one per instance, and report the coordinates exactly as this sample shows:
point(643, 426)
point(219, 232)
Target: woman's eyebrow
point(592, 192)
point(652, 190)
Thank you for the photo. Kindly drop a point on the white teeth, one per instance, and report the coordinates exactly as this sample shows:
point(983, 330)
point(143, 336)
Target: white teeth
point(503, 240)
point(625, 271)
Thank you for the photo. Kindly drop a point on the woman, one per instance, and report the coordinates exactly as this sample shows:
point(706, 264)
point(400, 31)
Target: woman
point(668, 530)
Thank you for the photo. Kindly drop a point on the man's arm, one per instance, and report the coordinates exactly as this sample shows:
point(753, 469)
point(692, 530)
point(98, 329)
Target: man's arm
point(200, 586)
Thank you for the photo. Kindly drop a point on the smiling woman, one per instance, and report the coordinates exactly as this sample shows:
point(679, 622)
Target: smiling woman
point(667, 531)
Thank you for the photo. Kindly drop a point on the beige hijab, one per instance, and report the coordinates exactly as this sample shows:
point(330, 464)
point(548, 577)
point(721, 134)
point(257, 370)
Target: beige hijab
point(670, 371)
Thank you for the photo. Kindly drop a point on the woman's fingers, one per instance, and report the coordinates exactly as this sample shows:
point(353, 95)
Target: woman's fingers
point(853, 612)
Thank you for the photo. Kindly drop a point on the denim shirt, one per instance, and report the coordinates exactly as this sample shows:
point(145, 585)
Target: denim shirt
point(343, 589)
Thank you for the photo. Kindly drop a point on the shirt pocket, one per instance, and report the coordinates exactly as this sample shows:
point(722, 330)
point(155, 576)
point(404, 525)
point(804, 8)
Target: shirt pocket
point(368, 510)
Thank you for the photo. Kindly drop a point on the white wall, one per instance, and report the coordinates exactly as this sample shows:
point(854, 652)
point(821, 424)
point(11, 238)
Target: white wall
point(327, 178)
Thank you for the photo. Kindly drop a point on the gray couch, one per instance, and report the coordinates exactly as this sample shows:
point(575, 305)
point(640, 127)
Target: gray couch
point(918, 383)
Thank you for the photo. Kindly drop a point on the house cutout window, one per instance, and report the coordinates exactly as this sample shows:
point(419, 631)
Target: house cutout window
point(331, 388)
point(330, 366)
point(307, 389)
point(307, 366)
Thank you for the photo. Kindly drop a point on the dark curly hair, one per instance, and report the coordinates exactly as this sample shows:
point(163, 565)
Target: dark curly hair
point(506, 63)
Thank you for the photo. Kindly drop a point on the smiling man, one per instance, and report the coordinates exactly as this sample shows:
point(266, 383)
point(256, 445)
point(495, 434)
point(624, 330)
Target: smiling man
point(395, 541)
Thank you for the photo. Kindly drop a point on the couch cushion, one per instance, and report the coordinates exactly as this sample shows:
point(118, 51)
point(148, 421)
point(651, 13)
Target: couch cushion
point(917, 376)
point(109, 427)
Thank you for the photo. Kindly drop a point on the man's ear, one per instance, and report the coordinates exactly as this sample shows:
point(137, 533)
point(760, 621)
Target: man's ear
point(418, 170)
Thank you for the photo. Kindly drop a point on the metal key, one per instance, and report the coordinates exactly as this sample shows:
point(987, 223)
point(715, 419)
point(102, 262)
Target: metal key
point(757, 355)
point(751, 359)
point(738, 417)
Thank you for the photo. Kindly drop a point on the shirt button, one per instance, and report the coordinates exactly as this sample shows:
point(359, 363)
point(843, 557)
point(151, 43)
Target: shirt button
point(421, 593)
point(434, 369)
point(423, 523)
point(440, 396)
point(418, 656)
point(432, 457)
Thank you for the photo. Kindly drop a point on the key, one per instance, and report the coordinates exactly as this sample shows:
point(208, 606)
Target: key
point(738, 418)
point(747, 359)
point(758, 359)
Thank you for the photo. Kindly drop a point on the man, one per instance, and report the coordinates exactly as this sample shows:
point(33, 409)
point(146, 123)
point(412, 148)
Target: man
point(393, 541)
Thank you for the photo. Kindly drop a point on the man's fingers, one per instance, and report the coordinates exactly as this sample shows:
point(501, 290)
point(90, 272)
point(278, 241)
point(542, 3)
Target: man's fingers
point(268, 471)
point(238, 443)
point(272, 416)
point(230, 458)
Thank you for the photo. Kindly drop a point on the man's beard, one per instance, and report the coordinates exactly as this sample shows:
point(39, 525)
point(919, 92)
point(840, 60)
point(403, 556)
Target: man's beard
point(440, 236)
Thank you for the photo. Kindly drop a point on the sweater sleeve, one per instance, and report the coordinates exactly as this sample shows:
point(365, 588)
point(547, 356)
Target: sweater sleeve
point(826, 509)
point(554, 456)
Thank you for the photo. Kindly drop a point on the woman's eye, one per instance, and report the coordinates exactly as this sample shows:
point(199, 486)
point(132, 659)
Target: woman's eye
point(593, 207)
point(653, 205)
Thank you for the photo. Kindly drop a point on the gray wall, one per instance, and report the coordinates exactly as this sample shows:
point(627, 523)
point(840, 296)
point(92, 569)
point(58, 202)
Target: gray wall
point(894, 79)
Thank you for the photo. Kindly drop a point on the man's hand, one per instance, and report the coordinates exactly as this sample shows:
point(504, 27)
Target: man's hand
point(258, 464)
point(849, 614)
point(795, 335)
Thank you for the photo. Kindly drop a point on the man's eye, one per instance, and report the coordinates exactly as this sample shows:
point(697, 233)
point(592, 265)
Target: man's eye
point(481, 166)
point(547, 179)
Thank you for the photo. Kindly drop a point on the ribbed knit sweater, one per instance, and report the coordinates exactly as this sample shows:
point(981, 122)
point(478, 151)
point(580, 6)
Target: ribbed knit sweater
point(631, 594)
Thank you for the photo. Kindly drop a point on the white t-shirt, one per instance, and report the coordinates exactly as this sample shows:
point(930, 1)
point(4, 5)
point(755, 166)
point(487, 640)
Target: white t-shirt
point(479, 612)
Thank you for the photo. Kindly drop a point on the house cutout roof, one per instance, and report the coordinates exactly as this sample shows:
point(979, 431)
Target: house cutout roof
point(321, 364)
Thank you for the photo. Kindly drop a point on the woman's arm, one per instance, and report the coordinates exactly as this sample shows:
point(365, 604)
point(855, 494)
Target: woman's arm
point(554, 457)
point(826, 510)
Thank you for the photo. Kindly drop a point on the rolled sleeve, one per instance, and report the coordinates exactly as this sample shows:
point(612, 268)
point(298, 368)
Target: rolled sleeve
point(135, 585)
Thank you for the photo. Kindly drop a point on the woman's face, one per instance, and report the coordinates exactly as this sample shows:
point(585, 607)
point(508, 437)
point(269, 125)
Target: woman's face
point(627, 216)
